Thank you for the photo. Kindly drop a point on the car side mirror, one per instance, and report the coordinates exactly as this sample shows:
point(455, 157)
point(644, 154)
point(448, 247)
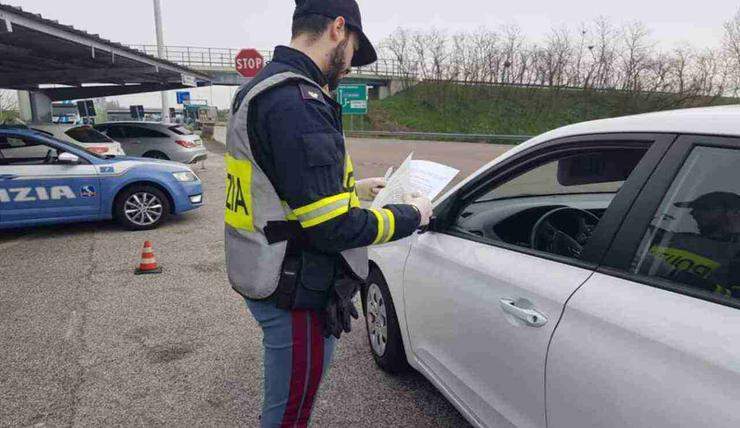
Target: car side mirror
point(432, 226)
point(68, 159)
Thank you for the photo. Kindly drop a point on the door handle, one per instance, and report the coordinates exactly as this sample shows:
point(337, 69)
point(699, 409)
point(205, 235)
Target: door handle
point(523, 310)
point(8, 176)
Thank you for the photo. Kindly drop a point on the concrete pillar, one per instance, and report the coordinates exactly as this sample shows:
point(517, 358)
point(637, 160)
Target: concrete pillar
point(384, 92)
point(34, 107)
point(392, 87)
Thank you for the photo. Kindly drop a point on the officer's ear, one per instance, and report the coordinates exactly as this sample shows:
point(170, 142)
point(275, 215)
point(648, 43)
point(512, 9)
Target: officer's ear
point(338, 30)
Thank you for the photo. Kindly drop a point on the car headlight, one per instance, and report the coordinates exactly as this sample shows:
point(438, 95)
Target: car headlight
point(185, 176)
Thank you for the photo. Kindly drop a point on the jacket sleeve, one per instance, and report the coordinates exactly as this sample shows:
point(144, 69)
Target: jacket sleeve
point(309, 169)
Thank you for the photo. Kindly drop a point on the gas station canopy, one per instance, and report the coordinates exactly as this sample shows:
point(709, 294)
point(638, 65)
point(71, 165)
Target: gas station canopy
point(37, 51)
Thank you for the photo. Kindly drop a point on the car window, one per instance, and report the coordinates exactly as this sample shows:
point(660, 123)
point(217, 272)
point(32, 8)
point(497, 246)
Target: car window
point(552, 206)
point(180, 130)
point(87, 134)
point(116, 131)
point(24, 151)
point(694, 237)
point(139, 132)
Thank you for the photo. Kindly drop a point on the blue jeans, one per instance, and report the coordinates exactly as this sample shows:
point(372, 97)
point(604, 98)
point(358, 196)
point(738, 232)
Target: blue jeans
point(296, 359)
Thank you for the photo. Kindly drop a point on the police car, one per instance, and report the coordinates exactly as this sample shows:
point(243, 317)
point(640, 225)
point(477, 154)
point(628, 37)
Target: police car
point(588, 277)
point(44, 180)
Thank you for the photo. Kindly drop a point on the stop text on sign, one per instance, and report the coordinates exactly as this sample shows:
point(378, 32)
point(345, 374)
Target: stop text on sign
point(242, 63)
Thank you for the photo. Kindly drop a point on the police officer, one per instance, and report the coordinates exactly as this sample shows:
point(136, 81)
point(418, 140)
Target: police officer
point(296, 235)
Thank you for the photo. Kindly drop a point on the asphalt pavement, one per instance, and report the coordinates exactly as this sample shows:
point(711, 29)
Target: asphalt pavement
point(85, 342)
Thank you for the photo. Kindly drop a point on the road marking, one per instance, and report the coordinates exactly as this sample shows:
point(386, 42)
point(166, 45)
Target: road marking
point(71, 325)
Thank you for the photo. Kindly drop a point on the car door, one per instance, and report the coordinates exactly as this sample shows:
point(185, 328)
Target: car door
point(151, 140)
point(36, 187)
point(653, 338)
point(129, 143)
point(481, 303)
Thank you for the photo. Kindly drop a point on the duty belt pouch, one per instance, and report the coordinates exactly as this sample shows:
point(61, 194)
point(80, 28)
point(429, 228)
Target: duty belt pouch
point(288, 282)
point(315, 280)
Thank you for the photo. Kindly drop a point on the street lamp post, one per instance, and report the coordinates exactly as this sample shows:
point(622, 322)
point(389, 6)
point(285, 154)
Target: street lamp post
point(160, 52)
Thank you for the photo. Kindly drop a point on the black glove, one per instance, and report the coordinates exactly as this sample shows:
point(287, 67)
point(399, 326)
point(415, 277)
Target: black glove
point(341, 309)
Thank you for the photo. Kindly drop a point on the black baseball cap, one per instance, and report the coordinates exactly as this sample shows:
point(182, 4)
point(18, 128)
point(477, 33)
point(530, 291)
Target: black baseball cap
point(713, 200)
point(351, 13)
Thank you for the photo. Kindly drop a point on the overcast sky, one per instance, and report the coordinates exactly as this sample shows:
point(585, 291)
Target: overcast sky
point(263, 24)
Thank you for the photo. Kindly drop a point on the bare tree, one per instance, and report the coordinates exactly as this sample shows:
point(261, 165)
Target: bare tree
point(436, 45)
point(731, 44)
point(557, 54)
point(398, 47)
point(635, 56)
point(604, 53)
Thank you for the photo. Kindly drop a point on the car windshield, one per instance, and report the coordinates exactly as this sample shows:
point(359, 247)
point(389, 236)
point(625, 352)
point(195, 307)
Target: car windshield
point(86, 134)
point(180, 130)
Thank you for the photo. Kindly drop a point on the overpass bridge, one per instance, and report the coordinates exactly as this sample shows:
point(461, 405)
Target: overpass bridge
point(385, 77)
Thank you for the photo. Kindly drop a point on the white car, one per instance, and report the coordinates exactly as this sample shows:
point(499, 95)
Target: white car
point(588, 277)
point(83, 135)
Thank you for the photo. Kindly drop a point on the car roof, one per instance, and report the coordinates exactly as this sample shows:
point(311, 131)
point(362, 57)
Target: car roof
point(137, 123)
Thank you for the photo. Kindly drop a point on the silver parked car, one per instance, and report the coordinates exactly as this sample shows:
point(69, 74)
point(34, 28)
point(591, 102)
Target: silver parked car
point(156, 140)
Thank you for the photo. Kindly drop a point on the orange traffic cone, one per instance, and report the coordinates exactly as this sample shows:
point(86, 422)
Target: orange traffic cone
point(148, 261)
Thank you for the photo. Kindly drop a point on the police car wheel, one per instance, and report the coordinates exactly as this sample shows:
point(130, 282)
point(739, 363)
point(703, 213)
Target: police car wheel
point(383, 332)
point(142, 207)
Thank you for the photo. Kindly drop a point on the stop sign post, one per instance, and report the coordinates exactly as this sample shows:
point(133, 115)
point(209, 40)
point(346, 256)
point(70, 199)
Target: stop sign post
point(249, 62)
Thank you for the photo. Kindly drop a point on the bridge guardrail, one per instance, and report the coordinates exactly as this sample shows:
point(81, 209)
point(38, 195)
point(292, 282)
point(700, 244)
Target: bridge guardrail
point(222, 59)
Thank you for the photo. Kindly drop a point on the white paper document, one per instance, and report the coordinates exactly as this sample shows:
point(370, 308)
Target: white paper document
point(425, 177)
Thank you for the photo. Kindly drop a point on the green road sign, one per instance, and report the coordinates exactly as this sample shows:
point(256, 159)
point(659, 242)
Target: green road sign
point(353, 99)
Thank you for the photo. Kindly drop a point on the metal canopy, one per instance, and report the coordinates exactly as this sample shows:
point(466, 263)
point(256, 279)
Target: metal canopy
point(37, 51)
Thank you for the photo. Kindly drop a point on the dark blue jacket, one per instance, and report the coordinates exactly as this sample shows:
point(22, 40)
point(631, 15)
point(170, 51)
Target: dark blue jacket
point(296, 137)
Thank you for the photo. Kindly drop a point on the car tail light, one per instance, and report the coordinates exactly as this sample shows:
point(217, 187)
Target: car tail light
point(187, 144)
point(98, 150)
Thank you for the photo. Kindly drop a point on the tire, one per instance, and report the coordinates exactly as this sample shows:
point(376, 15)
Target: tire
point(155, 155)
point(152, 204)
point(377, 299)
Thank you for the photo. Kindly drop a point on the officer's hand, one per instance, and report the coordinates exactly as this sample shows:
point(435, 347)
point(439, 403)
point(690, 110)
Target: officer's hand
point(422, 203)
point(369, 188)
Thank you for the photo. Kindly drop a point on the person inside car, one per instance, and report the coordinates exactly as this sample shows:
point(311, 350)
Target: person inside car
point(710, 258)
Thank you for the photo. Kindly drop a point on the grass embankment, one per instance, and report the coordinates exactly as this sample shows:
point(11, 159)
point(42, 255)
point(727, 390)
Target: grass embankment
point(448, 108)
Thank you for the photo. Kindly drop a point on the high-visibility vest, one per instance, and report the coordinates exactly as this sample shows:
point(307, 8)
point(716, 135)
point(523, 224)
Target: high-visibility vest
point(254, 265)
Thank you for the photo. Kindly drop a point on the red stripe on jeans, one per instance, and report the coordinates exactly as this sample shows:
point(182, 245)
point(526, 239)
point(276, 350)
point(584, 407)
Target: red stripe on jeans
point(317, 368)
point(299, 370)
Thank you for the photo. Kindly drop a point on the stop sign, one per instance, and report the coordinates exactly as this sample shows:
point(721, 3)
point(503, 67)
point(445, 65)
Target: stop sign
point(249, 62)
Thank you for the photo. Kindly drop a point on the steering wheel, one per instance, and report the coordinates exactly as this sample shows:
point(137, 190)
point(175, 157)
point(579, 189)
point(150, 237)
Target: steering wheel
point(564, 231)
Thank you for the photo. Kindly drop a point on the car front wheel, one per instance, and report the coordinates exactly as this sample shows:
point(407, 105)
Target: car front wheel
point(141, 207)
point(383, 331)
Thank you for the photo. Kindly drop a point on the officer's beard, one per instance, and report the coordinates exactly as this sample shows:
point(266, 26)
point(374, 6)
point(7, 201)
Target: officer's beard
point(337, 66)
